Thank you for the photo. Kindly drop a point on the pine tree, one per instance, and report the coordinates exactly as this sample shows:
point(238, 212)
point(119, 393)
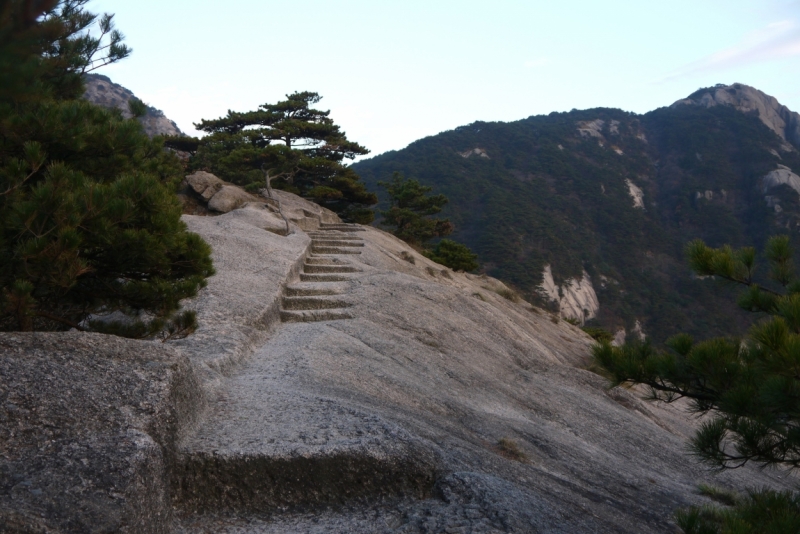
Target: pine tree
point(410, 210)
point(750, 387)
point(455, 255)
point(409, 218)
point(297, 146)
point(89, 223)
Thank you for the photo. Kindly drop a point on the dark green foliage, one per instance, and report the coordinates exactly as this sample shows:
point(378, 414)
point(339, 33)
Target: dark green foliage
point(183, 143)
point(409, 218)
point(750, 388)
point(89, 223)
point(454, 255)
point(410, 209)
point(547, 195)
point(761, 512)
point(299, 147)
point(600, 335)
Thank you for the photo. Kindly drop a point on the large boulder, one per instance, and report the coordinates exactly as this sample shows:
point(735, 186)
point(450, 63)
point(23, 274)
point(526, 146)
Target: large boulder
point(228, 198)
point(204, 184)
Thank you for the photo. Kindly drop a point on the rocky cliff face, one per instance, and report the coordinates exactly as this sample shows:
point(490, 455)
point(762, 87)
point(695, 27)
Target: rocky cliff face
point(102, 91)
point(576, 298)
point(339, 383)
point(779, 118)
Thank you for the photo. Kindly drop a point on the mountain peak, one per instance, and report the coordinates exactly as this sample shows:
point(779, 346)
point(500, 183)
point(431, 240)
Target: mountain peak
point(779, 118)
point(100, 90)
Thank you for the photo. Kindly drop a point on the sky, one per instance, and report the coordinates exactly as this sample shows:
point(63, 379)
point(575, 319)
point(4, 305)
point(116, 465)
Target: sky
point(392, 72)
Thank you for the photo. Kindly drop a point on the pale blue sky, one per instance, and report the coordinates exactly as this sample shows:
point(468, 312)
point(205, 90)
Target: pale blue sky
point(392, 72)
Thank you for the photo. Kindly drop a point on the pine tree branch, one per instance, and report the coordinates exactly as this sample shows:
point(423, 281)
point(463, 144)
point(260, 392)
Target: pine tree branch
point(61, 320)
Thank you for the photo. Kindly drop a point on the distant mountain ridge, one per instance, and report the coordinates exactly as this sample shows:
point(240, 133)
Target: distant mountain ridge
point(601, 202)
point(102, 91)
point(779, 118)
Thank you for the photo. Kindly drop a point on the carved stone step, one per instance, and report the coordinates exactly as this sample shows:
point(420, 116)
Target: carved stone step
point(325, 261)
point(337, 243)
point(341, 228)
point(306, 277)
point(312, 290)
point(310, 268)
point(313, 303)
point(316, 249)
point(333, 233)
point(310, 316)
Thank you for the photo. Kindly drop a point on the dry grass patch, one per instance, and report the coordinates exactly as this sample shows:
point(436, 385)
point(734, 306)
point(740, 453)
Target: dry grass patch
point(508, 294)
point(509, 448)
point(408, 257)
point(722, 496)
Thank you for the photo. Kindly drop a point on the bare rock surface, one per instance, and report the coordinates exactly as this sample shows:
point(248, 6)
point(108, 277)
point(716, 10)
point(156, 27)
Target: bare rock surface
point(437, 403)
point(395, 420)
point(102, 91)
point(204, 184)
point(240, 305)
point(636, 194)
point(88, 427)
point(783, 175)
point(228, 198)
point(576, 299)
point(779, 118)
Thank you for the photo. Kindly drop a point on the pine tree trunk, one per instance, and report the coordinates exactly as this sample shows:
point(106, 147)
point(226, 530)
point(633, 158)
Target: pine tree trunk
point(24, 321)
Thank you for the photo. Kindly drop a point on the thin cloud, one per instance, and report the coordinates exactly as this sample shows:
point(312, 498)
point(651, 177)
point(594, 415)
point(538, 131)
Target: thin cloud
point(778, 40)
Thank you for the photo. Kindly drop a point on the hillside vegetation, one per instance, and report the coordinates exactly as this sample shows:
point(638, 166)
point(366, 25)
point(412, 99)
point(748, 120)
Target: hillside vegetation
point(614, 194)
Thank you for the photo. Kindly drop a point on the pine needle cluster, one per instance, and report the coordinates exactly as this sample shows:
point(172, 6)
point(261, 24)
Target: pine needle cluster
point(750, 387)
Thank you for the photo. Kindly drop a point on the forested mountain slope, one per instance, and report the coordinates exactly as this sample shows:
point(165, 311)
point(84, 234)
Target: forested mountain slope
point(608, 199)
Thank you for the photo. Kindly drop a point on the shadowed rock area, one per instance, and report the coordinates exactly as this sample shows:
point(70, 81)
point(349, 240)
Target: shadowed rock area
point(346, 384)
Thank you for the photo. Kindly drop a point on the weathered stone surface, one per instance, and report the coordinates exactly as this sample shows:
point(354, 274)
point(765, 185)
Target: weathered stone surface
point(228, 198)
point(636, 194)
point(440, 361)
point(783, 175)
point(88, 426)
point(241, 303)
point(391, 421)
point(576, 299)
point(102, 91)
point(204, 184)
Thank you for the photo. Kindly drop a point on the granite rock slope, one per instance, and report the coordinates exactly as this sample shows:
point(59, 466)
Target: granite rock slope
point(436, 405)
point(440, 403)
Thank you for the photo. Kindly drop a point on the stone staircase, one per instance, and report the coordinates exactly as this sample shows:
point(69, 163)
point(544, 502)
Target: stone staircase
point(269, 446)
point(316, 297)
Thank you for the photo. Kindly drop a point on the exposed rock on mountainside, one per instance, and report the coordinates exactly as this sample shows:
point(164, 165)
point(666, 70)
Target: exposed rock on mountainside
point(349, 389)
point(576, 298)
point(102, 91)
point(779, 118)
point(475, 152)
point(783, 175)
point(636, 194)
